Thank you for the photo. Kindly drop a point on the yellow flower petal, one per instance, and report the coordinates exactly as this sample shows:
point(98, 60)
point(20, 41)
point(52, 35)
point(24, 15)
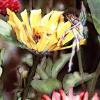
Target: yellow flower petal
point(13, 18)
point(26, 38)
point(25, 19)
point(51, 29)
point(46, 42)
point(52, 40)
point(54, 20)
point(35, 18)
point(61, 19)
point(45, 19)
point(62, 48)
point(62, 27)
point(14, 22)
point(9, 12)
point(68, 38)
point(21, 33)
point(82, 42)
point(41, 45)
point(52, 47)
point(23, 37)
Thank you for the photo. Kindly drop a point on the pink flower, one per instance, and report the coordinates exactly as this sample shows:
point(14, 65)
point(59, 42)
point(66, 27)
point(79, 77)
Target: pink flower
point(62, 96)
point(95, 97)
point(13, 5)
point(45, 97)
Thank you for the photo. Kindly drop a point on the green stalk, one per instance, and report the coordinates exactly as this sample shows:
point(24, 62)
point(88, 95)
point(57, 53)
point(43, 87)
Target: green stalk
point(30, 77)
point(80, 62)
point(94, 81)
point(80, 66)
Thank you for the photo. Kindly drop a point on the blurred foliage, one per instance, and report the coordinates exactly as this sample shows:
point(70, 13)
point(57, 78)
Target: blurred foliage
point(59, 64)
point(2, 51)
point(48, 72)
point(27, 59)
point(51, 68)
point(46, 86)
point(1, 60)
point(5, 29)
point(1, 98)
point(75, 79)
point(94, 6)
point(6, 34)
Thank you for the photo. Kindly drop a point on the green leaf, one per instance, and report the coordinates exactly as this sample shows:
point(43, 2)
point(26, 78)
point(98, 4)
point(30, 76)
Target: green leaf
point(28, 59)
point(1, 97)
point(46, 86)
point(5, 33)
point(75, 79)
point(49, 65)
point(0, 71)
point(94, 6)
point(70, 80)
point(43, 63)
point(5, 29)
point(41, 73)
point(98, 38)
point(2, 51)
point(41, 69)
point(59, 64)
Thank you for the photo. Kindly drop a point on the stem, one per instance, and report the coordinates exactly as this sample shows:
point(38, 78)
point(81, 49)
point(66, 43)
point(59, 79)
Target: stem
point(80, 66)
point(80, 62)
point(30, 77)
point(94, 81)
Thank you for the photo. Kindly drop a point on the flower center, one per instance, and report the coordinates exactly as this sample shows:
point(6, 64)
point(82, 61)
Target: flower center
point(36, 38)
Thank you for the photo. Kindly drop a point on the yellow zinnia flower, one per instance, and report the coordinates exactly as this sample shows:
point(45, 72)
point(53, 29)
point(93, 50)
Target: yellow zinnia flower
point(47, 33)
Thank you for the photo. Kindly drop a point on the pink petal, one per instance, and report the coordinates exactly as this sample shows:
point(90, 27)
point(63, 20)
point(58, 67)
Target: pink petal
point(95, 97)
point(70, 93)
point(76, 97)
point(45, 97)
point(82, 95)
point(63, 95)
point(86, 96)
point(55, 96)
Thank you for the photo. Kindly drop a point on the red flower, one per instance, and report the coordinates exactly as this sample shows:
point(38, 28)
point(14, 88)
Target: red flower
point(13, 5)
point(62, 96)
